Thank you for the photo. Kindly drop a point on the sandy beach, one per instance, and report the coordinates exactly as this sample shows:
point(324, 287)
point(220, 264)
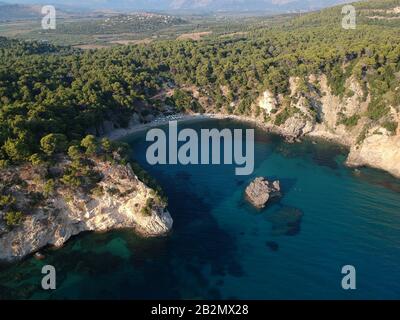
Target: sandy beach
point(164, 120)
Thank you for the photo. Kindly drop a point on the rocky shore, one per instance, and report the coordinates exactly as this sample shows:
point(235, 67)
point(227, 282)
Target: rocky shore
point(379, 150)
point(121, 201)
point(319, 113)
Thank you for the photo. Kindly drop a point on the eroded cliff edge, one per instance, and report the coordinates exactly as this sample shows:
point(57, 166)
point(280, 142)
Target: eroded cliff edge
point(352, 118)
point(117, 200)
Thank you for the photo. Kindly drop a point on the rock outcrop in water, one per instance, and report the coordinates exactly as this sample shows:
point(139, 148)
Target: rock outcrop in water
point(260, 191)
point(121, 200)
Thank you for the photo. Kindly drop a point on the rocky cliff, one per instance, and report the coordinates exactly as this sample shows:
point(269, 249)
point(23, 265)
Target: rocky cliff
point(345, 119)
point(310, 108)
point(377, 151)
point(120, 200)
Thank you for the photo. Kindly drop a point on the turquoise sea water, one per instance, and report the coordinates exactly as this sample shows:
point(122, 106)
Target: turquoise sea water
point(221, 247)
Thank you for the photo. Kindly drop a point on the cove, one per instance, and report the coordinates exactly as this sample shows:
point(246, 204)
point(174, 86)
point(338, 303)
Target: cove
point(196, 148)
point(222, 248)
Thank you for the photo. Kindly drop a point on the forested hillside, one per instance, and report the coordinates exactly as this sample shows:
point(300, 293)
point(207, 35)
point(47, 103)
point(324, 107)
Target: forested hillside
point(54, 90)
point(134, 23)
point(46, 89)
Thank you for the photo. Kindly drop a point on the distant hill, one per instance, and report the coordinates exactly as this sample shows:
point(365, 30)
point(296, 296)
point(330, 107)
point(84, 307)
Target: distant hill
point(11, 12)
point(196, 5)
point(254, 5)
point(383, 13)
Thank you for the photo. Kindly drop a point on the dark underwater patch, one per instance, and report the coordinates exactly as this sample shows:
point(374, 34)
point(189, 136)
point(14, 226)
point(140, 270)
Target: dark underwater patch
point(378, 178)
point(286, 221)
point(240, 182)
point(322, 153)
point(325, 158)
point(272, 245)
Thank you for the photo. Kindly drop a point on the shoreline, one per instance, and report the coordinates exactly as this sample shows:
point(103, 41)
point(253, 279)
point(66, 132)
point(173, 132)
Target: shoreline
point(160, 121)
point(185, 118)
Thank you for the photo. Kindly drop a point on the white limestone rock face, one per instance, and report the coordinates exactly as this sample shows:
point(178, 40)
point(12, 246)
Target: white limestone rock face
point(120, 206)
point(377, 151)
point(297, 126)
point(317, 112)
point(380, 149)
point(268, 102)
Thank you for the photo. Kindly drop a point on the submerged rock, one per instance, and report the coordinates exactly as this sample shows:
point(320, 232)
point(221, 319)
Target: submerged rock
point(272, 245)
point(260, 191)
point(286, 221)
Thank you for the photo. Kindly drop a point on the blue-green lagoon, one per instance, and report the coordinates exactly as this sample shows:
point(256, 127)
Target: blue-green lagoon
point(223, 248)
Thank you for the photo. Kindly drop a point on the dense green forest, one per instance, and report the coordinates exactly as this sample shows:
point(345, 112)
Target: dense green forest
point(46, 89)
